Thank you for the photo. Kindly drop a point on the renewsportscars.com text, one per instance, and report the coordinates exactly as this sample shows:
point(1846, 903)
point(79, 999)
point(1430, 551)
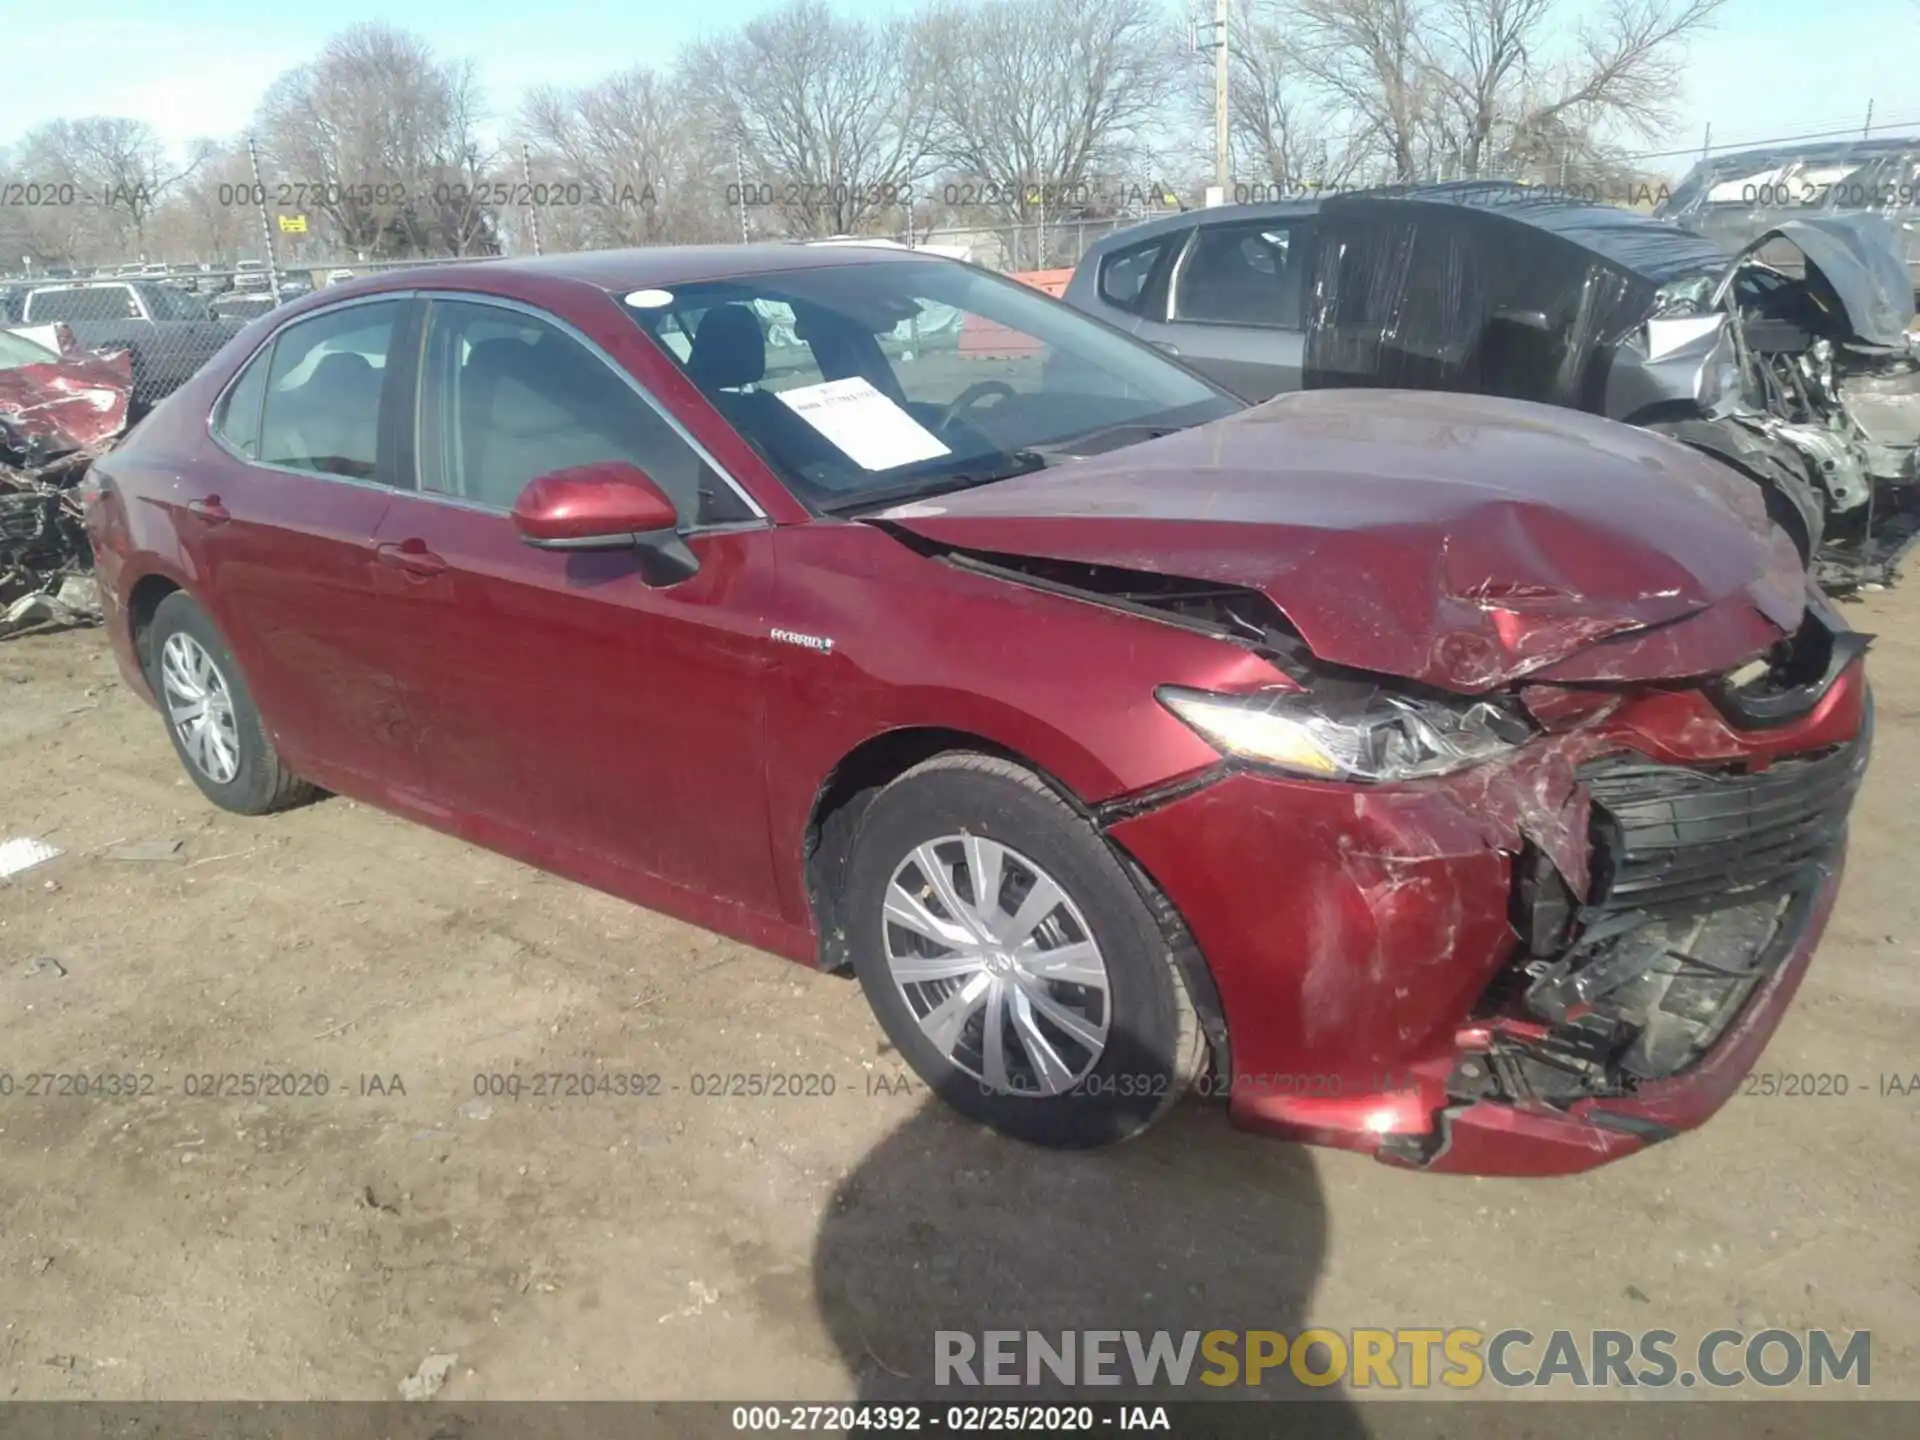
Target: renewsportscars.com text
point(1404, 1358)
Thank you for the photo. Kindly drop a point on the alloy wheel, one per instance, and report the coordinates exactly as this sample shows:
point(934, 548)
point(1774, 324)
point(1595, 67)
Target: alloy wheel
point(200, 707)
point(997, 965)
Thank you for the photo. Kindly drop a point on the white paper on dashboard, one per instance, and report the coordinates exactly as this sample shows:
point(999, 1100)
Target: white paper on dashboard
point(875, 433)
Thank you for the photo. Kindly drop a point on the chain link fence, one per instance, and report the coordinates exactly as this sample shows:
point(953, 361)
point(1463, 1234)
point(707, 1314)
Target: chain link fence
point(175, 295)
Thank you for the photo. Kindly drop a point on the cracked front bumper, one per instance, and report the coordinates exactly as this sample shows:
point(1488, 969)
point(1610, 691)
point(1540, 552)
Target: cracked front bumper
point(1386, 986)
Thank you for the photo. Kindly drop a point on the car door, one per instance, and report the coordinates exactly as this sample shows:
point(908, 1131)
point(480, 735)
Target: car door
point(567, 709)
point(279, 521)
point(1234, 305)
point(1406, 303)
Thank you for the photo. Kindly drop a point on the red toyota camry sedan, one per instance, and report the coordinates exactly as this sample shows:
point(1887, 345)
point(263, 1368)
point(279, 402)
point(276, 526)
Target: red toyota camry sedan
point(1449, 778)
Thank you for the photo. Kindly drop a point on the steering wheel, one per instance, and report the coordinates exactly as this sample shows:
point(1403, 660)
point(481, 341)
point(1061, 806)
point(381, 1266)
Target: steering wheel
point(970, 397)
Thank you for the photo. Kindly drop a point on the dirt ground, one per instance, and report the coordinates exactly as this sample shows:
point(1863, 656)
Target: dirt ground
point(185, 1245)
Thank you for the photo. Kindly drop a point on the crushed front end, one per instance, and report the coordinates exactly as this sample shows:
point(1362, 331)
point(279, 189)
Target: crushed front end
point(1540, 965)
point(1709, 887)
point(60, 409)
point(1805, 378)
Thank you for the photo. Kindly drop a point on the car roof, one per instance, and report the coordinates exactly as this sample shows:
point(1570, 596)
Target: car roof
point(1841, 149)
point(1656, 249)
point(1641, 244)
point(1211, 215)
point(617, 271)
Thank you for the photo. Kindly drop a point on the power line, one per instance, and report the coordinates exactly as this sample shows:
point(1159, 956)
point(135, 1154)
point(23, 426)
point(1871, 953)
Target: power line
point(1892, 123)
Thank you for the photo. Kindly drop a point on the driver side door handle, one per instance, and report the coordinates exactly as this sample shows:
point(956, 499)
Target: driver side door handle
point(209, 510)
point(410, 555)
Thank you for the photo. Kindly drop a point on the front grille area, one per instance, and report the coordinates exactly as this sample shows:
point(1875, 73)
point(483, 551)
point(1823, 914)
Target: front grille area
point(1703, 881)
point(1668, 839)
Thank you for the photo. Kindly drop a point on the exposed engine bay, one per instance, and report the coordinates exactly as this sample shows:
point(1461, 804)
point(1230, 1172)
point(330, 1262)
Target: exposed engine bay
point(61, 407)
point(1702, 878)
point(1803, 362)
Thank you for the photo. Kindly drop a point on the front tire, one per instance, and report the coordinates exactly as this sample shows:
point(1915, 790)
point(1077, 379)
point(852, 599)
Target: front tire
point(1010, 958)
point(211, 719)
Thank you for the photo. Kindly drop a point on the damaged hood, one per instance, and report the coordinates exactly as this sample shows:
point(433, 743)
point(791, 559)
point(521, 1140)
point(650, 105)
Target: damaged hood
point(69, 401)
point(1461, 541)
point(1861, 258)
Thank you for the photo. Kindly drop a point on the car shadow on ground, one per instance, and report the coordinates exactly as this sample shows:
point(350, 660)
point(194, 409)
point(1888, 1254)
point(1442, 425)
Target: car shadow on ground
point(946, 1226)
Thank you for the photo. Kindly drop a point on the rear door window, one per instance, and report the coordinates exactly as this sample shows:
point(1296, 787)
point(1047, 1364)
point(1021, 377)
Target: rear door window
point(325, 375)
point(1245, 274)
point(236, 419)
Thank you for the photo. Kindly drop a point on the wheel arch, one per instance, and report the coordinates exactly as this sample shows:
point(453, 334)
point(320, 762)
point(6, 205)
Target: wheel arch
point(843, 796)
point(849, 787)
point(143, 601)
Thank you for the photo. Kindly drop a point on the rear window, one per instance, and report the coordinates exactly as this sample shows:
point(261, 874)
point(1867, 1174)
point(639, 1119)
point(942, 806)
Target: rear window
point(95, 302)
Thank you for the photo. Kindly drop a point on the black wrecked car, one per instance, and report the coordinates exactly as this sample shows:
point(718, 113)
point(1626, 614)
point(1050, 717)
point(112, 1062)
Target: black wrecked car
point(1790, 359)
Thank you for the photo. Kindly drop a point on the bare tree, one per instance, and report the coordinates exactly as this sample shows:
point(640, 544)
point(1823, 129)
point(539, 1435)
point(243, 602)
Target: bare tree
point(1371, 58)
point(1462, 88)
point(1481, 54)
point(831, 114)
point(118, 167)
point(1264, 104)
point(1494, 64)
point(1281, 128)
point(1629, 65)
point(620, 162)
point(1039, 101)
point(380, 136)
point(211, 216)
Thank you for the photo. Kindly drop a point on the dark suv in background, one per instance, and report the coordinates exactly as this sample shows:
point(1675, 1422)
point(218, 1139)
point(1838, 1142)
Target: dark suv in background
point(1788, 359)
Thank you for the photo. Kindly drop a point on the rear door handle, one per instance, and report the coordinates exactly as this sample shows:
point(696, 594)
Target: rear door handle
point(410, 555)
point(210, 510)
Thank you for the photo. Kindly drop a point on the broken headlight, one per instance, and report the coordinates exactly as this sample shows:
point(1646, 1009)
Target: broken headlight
point(1368, 735)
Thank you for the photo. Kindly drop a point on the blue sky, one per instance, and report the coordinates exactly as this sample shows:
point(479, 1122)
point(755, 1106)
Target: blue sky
point(197, 67)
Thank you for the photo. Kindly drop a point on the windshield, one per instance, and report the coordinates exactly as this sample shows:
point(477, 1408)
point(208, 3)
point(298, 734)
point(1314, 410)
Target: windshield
point(871, 382)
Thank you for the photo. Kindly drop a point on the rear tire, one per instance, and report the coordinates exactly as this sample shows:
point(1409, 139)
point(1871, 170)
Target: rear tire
point(210, 716)
point(1062, 1022)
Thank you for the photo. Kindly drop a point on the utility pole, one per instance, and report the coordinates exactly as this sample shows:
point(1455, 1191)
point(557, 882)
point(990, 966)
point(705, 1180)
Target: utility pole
point(1867, 129)
point(1222, 159)
point(1215, 31)
point(533, 209)
point(266, 228)
point(740, 186)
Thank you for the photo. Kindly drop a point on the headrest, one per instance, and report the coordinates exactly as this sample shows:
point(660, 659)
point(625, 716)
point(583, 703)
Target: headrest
point(729, 349)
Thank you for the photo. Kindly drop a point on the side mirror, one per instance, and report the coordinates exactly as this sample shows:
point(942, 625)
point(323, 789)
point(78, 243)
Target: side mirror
point(611, 505)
